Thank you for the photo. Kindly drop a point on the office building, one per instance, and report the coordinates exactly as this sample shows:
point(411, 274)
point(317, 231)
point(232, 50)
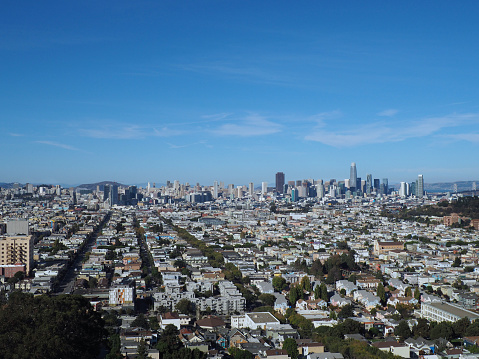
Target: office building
point(386, 185)
point(251, 189)
point(113, 194)
point(215, 189)
point(420, 186)
point(294, 195)
point(353, 176)
point(264, 188)
point(376, 184)
point(280, 182)
point(369, 183)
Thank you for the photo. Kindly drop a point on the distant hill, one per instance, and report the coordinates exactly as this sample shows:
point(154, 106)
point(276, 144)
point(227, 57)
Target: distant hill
point(93, 186)
point(462, 186)
point(6, 185)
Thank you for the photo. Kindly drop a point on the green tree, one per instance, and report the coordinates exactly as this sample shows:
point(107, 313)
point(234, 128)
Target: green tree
point(293, 295)
point(402, 330)
point(408, 292)
point(64, 326)
point(457, 262)
point(346, 311)
point(421, 329)
point(115, 346)
point(324, 292)
point(291, 347)
point(267, 299)
point(279, 283)
point(442, 330)
point(460, 327)
point(417, 294)
point(169, 341)
point(237, 353)
point(381, 293)
point(317, 292)
point(140, 321)
point(142, 350)
point(306, 284)
point(185, 306)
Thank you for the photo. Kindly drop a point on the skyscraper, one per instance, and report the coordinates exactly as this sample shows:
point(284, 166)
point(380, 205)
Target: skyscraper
point(251, 189)
point(215, 189)
point(264, 187)
point(113, 194)
point(420, 186)
point(280, 182)
point(369, 183)
point(353, 176)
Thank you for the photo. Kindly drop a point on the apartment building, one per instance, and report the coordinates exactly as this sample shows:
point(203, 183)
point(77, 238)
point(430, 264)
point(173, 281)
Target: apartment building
point(16, 250)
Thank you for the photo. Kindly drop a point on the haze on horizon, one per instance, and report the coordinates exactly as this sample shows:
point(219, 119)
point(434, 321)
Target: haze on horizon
point(237, 91)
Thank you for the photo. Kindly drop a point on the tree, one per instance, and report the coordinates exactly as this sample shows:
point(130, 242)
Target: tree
point(457, 262)
point(324, 292)
point(185, 306)
point(421, 329)
point(293, 295)
point(291, 347)
point(142, 350)
point(317, 292)
point(64, 326)
point(279, 283)
point(408, 292)
point(402, 330)
point(238, 353)
point(346, 311)
point(267, 299)
point(169, 340)
point(442, 330)
point(460, 327)
point(381, 293)
point(417, 294)
point(140, 321)
point(306, 284)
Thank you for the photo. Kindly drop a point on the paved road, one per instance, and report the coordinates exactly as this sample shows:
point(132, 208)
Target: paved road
point(66, 284)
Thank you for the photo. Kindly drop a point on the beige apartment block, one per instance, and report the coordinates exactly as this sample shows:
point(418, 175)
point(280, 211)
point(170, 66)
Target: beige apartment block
point(16, 250)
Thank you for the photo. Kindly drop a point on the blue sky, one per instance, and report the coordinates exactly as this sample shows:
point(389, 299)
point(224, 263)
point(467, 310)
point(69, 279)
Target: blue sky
point(137, 91)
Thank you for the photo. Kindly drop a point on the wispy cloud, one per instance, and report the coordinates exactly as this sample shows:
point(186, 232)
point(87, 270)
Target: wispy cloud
point(61, 145)
point(189, 145)
point(382, 132)
point(120, 131)
point(252, 125)
point(15, 134)
point(216, 117)
point(252, 73)
point(388, 113)
point(470, 137)
point(114, 132)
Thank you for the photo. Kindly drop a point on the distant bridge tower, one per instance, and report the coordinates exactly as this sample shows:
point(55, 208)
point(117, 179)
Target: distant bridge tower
point(455, 187)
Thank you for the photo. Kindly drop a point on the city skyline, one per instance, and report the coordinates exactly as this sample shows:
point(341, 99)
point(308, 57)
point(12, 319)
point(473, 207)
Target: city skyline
point(237, 91)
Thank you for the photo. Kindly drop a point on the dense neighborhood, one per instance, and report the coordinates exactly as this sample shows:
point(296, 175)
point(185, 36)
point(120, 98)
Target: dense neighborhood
point(261, 276)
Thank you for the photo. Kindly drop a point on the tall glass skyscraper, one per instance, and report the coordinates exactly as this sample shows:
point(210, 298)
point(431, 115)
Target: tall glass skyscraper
point(369, 183)
point(353, 176)
point(280, 182)
point(420, 186)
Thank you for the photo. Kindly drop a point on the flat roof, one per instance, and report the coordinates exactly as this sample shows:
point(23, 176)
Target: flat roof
point(454, 310)
point(262, 317)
